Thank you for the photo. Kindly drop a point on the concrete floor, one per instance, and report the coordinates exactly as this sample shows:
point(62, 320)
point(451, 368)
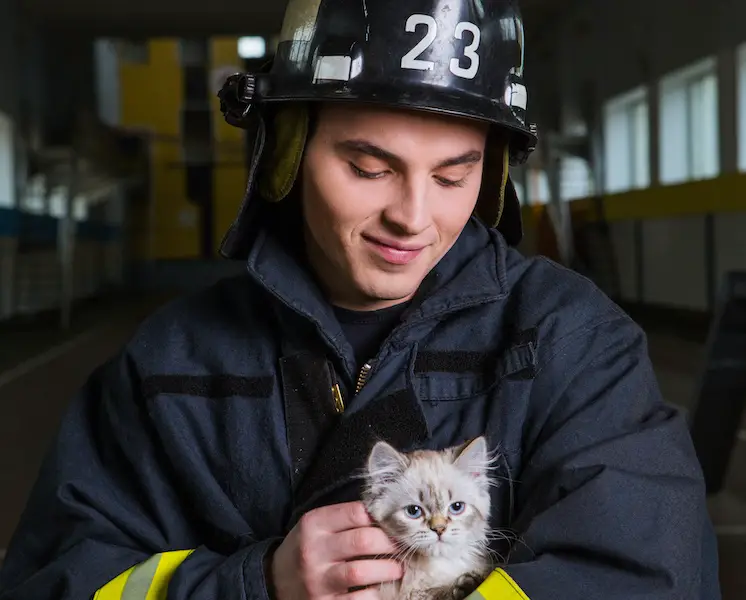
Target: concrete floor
point(55, 375)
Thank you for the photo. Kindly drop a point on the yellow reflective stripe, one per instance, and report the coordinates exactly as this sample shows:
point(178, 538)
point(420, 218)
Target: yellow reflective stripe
point(145, 581)
point(170, 561)
point(498, 586)
point(113, 590)
point(139, 581)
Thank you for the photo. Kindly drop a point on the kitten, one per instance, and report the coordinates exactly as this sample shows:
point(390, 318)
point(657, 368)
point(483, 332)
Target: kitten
point(435, 506)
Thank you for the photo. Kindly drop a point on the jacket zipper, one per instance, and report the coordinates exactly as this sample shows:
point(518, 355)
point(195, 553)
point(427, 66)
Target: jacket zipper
point(339, 403)
point(362, 377)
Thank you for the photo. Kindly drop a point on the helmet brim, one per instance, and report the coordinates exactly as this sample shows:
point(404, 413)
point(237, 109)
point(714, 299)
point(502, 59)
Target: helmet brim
point(422, 98)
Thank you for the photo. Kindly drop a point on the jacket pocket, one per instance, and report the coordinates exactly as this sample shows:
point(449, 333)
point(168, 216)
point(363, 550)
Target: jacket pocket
point(452, 376)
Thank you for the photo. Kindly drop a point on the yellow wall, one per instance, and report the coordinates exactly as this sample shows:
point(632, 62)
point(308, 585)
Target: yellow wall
point(724, 194)
point(151, 92)
point(721, 196)
point(151, 100)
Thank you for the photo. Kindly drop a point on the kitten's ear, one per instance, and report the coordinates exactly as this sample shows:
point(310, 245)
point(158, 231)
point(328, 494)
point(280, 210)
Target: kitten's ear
point(385, 462)
point(474, 458)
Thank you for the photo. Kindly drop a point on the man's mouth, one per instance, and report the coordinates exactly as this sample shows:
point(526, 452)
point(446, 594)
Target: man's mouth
point(394, 251)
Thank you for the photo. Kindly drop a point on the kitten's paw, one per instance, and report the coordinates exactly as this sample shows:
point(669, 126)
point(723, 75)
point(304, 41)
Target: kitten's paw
point(465, 585)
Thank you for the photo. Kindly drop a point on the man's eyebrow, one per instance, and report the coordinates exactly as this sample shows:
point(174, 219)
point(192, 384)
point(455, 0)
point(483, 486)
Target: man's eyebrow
point(467, 158)
point(470, 157)
point(367, 148)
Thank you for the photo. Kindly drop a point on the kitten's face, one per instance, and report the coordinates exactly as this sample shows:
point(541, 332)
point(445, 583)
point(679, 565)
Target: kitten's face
point(433, 503)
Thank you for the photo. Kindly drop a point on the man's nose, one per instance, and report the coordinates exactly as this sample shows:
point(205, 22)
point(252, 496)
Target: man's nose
point(409, 212)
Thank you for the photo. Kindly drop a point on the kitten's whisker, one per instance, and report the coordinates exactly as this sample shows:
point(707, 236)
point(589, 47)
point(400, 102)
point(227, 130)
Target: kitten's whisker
point(508, 536)
point(502, 534)
point(405, 555)
point(498, 559)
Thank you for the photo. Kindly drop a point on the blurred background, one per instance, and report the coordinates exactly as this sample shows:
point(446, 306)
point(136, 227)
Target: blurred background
point(118, 178)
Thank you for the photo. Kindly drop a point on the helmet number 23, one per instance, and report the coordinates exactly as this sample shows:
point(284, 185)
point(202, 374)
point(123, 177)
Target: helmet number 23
point(411, 61)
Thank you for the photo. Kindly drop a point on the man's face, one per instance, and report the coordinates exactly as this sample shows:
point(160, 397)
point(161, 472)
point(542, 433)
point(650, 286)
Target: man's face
point(386, 193)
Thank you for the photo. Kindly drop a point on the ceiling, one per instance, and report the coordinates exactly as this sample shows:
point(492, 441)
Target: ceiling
point(183, 18)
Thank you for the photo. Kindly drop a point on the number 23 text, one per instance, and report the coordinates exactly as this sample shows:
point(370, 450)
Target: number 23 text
point(411, 61)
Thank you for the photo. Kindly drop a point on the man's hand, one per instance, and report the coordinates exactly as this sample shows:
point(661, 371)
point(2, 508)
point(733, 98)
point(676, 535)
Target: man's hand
point(321, 557)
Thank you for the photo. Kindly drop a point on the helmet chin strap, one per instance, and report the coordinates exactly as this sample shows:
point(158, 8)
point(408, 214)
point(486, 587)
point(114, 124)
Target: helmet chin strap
point(503, 184)
point(285, 153)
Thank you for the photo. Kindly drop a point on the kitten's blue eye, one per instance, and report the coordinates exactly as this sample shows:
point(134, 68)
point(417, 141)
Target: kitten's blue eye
point(457, 508)
point(413, 511)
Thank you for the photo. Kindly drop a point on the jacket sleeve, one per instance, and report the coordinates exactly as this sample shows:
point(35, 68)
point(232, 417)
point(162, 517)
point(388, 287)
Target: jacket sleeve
point(610, 498)
point(104, 518)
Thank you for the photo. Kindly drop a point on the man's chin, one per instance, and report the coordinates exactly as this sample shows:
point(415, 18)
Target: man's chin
point(389, 295)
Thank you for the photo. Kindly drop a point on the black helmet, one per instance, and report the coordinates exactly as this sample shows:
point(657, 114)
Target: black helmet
point(456, 57)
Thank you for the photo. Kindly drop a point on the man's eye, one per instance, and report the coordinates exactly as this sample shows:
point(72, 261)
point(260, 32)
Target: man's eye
point(366, 174)
point(450, 182)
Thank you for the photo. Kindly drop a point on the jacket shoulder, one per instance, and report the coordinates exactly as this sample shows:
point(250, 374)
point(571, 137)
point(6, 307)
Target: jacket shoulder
point(558, 301)
point(186, 331)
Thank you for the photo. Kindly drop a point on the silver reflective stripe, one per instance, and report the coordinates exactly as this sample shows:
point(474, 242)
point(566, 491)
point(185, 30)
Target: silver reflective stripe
point(139, 581)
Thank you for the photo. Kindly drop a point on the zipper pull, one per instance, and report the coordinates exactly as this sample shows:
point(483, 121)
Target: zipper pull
point(339, 403)
point(362, 378)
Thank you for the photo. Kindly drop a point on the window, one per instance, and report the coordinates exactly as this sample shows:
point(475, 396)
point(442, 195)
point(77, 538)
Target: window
point(576, 181)
point(518, 178)
point(520, 192)
point(576, 178)
point(537, 183)
point(7, 163)
point(252, 46)
point(689, 137)
point(58, 202)
point(80, 208)
point(627, 142)
point(108, 93)
point(34, 196)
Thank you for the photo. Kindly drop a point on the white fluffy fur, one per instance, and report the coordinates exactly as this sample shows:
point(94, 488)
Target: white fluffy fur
point(434, 481)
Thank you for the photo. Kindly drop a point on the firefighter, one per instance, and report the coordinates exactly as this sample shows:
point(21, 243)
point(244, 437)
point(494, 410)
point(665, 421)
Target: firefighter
point(217, 455)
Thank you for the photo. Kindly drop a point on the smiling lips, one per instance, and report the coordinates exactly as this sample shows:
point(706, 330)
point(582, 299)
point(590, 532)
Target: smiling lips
point(393, 252)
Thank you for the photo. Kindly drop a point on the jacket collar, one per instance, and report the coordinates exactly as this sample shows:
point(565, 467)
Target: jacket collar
point(472, 272)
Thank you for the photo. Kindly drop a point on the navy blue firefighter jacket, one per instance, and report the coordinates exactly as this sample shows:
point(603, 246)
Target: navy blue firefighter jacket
point(197, 447)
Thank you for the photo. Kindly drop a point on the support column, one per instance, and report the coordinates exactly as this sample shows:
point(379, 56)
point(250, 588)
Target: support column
point(66, 248)
point(559, 210)
point(654, 129)
point(8, 252)
point(728, 109)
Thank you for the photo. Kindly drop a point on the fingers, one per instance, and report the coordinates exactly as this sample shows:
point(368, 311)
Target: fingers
point(359, 573)
point(327, 545)
point(356, 543)
point(336, 518)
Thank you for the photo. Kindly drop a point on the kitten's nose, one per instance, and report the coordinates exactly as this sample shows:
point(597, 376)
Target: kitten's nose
point(438, 525)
